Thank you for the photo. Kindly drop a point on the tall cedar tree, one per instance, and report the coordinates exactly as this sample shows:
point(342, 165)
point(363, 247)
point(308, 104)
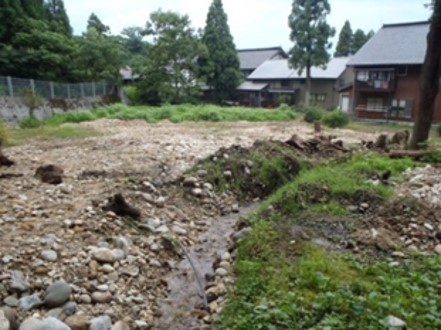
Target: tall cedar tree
point(429, 81)
point(221, 67)
point(359, 40)
point(344, 45)
point(310, 34)
point(58, 17)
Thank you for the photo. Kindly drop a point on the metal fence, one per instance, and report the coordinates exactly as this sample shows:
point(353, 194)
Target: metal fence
point(10, 86)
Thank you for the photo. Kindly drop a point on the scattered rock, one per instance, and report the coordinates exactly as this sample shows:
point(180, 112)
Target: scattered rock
point(141, 325)
point(102, 297)
point(104, 255)
point(78, 322)
point(438, 249)
point(57, 294)
point(394, 322)
point(51, 174)
point(132, 271)
point(18, 282)
point(32, 323)
point(70, 308)
point(11, 315)
point(101, 323)
point(11, 301)
point(30, 302)
point(4, 322)
point(49, 255)
point(52, 323)
point(121, 325)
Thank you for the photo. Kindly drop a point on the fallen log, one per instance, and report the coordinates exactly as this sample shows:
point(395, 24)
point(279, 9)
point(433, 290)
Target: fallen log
point(414, 154)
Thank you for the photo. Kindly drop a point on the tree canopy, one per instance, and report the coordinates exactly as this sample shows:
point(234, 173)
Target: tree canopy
point(310, 34)
point(221, 67)
point(171, 73)
point(344, 45)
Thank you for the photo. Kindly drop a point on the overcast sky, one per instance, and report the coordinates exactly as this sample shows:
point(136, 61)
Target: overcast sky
point(253, 23)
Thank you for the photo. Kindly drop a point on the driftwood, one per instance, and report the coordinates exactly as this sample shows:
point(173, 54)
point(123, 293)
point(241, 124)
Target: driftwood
point(414, 154)
point(119, 205)
point(316, 144)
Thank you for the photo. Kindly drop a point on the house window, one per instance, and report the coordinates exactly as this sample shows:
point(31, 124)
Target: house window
point(375, 104)
point(318, 97)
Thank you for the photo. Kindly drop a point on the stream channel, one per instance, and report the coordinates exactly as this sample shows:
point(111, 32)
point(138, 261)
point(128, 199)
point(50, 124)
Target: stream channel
point(183, 290)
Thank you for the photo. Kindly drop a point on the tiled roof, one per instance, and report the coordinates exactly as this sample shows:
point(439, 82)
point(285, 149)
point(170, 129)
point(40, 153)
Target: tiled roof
point(250, 59)
point(280, 69)
point(394, 44)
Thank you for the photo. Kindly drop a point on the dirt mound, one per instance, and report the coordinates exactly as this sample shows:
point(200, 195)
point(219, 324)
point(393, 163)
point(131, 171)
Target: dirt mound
point(402, 224)
point(249, 173)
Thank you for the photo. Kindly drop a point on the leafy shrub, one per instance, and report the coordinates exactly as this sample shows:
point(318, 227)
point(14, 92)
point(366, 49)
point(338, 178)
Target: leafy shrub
point(30, 99)
point(132, 94)
point(313, 114)
point(284, 107)
point(336, 118)
point(30, 122)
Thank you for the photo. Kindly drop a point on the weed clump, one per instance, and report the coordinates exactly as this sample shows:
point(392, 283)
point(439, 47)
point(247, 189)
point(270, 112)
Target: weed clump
point(335, 119)
point(313, 114)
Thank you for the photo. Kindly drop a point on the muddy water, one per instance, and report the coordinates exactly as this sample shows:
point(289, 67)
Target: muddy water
point(183, 291)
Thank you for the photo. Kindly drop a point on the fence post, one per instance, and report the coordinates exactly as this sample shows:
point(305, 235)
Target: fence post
point(10, 86)
point(104, 89)
point(68, 91)
point(82, 90)
point(93, 90)
point(51, 85)
point(33, 86)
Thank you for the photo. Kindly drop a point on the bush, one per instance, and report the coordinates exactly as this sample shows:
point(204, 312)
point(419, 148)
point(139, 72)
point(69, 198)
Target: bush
point(30, 122)
point(284, 107)
point(132, 94)
point(336, 118)
point(313, 114)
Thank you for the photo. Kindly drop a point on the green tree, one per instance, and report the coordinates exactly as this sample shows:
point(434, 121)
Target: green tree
point(11, 19)
point(171, 72)
point(344, 45)
point(359, 40)
point(34, 9)
point(221, 67)
point(95, 22)
point(58, 17)
point(98, 57)
point(429, 81)
point(310, 33)
point(38, 52)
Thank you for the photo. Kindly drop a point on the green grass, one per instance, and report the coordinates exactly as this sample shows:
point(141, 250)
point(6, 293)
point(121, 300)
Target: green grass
point(19, 135)
point(324, 290)
point(174, 113)
point(330, 188)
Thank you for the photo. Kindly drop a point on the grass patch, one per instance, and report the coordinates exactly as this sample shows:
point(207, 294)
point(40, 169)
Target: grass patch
point(330, 188)
point(19, 136)
point(174, 113)
point(324, 290)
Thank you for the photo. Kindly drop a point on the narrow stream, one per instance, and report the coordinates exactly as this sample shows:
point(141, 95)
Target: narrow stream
point(183, 292)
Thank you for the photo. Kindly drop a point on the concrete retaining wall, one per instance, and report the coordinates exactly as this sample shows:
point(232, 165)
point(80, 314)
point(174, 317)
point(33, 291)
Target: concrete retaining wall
point(12, 109)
